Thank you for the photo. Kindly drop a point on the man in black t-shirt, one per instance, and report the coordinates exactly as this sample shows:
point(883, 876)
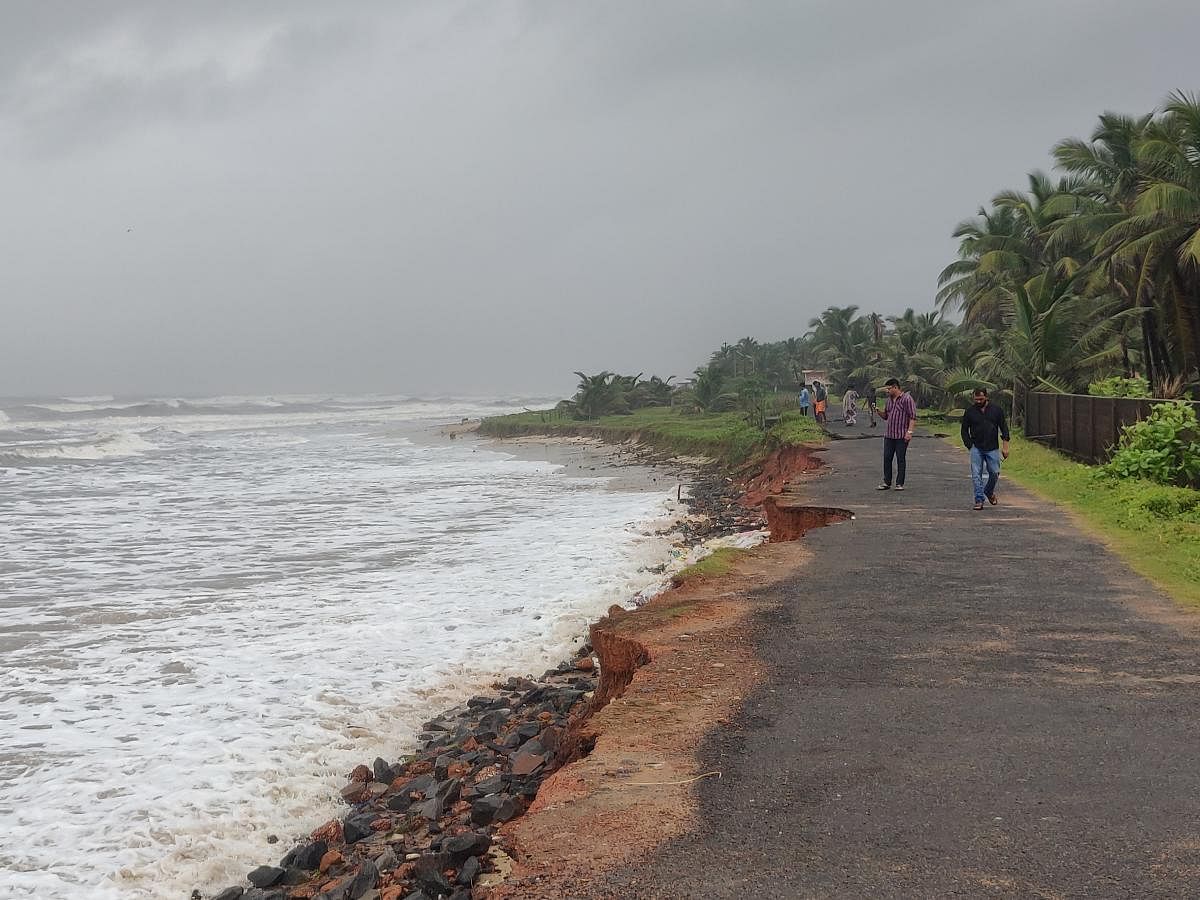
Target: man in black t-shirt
point(983, 429)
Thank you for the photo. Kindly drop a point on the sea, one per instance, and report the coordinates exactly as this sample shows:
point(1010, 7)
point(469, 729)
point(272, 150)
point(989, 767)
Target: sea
point(212, 609)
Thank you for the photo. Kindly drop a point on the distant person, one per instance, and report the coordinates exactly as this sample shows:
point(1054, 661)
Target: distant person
point(850, 408)
point(901, 415)
point(805, 399)
point(820, 400)
point(871, 398)
point(985, 434)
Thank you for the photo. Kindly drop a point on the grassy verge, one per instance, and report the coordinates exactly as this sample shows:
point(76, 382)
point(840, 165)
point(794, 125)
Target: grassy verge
point(796, 429)
point(719, 562)
point(1154, 528)
point(725, 437)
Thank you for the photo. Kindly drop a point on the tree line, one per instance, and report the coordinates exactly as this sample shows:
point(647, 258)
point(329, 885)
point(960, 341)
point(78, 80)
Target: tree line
point(1085, 281)
point(1096, 274)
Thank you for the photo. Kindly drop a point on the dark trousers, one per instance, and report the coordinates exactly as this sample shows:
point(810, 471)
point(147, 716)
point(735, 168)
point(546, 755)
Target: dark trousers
point(897, 447)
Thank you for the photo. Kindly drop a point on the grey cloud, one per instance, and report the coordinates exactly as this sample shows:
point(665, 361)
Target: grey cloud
point(145, 70)
point(478, 195)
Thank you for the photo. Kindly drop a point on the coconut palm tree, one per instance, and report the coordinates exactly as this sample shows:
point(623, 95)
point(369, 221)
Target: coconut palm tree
point(1138, 208)
point(797, 353)
point(1109, 161)
point(875, 322)
point(1055, 337)
point(724, 359)
point(594, 395)
point(855, 359)
point(992, 254)
point(920, 331)
point(653, 392)
point(708, 391)
point(1113, 175)
point(833, 327)
point(1163, 233)
point(1007, 245)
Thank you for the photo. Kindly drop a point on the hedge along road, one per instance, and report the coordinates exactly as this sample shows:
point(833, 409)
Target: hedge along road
point(958, 703)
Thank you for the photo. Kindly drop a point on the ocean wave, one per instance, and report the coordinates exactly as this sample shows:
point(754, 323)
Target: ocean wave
point(107, 446)
point(147, 409)
point(190, 605)
point(78, 409)
point(67, 411)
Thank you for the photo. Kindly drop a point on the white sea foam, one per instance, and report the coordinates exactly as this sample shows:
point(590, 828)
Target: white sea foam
point(105, 446)
point(81, 406)
point(197, 643)
point(195, 416)
point(679, 558)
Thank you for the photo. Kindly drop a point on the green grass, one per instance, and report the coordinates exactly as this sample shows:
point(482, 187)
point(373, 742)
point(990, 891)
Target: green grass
point(797, 429)
point(1154, 528)
point(725, 437)
point(719, 562)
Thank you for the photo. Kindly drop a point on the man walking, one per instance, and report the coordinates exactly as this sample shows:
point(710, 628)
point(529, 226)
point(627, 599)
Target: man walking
point(985, 434)
point(805, 400)
point(901, 416)
point(871, 397)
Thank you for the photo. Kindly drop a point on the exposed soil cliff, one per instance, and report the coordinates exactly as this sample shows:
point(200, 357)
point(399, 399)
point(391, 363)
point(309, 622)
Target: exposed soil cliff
point(635, 789)
point(669, 672)
point(621, 655)
point(772, 474)
point(788, 519)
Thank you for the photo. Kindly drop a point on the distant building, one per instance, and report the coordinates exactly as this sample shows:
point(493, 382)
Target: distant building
point(811, 375)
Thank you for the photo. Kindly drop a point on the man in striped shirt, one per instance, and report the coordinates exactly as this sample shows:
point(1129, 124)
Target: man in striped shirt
point(901, 416)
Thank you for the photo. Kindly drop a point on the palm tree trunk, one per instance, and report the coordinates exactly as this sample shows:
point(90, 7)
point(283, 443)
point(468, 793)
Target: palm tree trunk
point(1154, 371)
point(1186, 306)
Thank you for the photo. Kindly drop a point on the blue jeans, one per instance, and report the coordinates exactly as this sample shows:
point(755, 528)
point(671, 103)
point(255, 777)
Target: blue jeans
point(982, 460)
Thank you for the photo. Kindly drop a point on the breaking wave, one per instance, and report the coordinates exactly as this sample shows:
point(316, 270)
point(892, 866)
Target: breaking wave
point(73, 409)
point(102, 447)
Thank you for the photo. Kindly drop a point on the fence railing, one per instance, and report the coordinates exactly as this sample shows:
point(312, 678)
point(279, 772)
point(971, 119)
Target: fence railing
point(1083, 426)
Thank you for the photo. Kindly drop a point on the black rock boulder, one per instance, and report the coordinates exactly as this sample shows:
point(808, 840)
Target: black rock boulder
point(355, 828)
point(365, 880)
point(265, 876)
point(427, 874)
point(464, 846)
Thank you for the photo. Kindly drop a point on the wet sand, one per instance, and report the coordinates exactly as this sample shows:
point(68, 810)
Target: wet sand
point(624, 465)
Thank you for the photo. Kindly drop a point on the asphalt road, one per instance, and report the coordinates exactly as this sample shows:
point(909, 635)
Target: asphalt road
point(959, 704)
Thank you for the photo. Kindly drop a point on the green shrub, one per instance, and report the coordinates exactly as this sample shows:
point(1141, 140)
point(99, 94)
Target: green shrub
point(1172, 503)
point(1164, 447)
point(1120, 387)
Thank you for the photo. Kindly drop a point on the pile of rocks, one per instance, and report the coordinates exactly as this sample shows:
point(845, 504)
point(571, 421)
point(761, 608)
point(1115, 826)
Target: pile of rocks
point(425, 827)
point(714, 502)
point(714, 496)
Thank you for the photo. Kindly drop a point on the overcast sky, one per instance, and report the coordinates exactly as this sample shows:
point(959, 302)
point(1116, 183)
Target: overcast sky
point(295, 196)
